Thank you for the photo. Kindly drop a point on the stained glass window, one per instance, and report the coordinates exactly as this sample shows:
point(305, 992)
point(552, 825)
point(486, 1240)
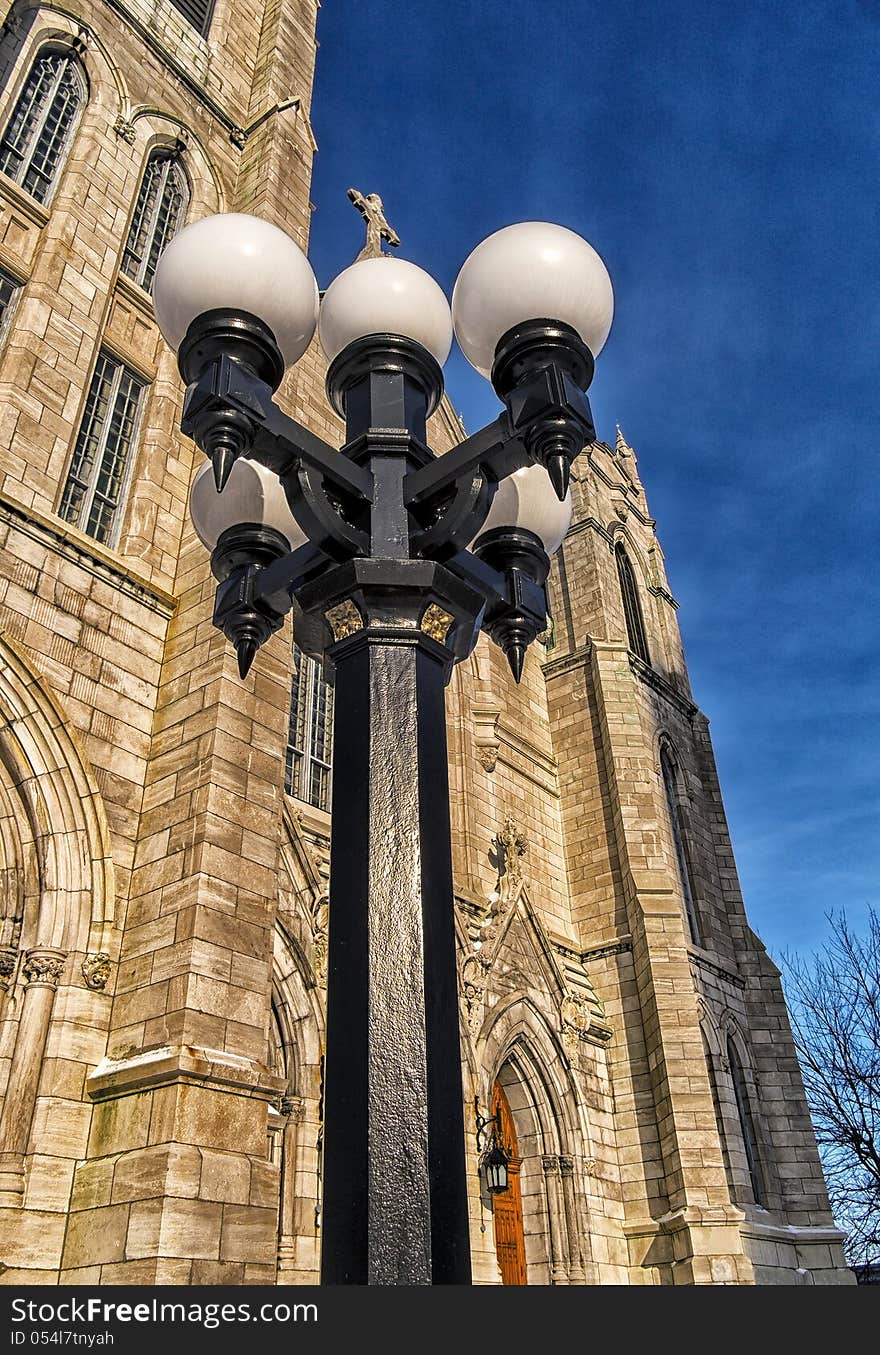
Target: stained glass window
point(98, 475)
point(157, 217)
point(42, 123)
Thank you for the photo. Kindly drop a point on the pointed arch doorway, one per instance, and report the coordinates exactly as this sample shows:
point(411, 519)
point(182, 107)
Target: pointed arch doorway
point(510, 1243)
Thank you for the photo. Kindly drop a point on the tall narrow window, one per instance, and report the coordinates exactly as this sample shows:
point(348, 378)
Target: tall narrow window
point(676, 821)
point(157, 217)
point(635, 626)
point(99, 471)
point(310, 734)
point(746, 1123)
point(719, 1118)
point(42, 123)
point(196, 12)
point(9, 290)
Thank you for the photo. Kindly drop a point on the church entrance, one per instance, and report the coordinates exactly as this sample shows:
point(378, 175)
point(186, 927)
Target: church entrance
point(510, 1243)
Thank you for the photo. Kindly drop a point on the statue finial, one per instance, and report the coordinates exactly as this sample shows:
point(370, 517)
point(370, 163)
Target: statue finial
point(370, 208)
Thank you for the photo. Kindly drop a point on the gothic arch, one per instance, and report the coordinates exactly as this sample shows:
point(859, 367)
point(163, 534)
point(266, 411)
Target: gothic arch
point(65, 838)
point(523, 1054)
point(153, 128)
point(52, 24)
point(295, 1121)
point(619, 534)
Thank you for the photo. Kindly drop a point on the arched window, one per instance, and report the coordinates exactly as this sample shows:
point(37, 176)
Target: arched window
point(635, 626)
point(310, 733)
point(158, 216)
point(42, 123)
point(682, 856)
point(716, 1106)
point(746, 1123)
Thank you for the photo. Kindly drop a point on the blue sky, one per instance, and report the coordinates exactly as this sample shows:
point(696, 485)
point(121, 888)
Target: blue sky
point(724, 161)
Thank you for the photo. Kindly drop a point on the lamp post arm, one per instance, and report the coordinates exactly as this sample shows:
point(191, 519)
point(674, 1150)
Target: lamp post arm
point(281, 442)
point(494, 449)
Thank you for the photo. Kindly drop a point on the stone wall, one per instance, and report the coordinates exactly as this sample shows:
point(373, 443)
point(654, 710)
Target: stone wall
point(163, 949)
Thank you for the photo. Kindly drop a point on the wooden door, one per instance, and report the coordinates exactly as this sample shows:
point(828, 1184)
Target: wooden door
point(510, 1242)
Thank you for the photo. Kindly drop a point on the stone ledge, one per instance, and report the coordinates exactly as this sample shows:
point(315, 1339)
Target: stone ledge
point(68, 542)
point(182, 1063)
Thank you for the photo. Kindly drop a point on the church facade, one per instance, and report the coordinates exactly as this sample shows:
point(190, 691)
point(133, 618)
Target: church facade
point(164, 827)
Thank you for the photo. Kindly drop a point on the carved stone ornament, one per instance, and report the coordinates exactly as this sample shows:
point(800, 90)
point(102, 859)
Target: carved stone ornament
point(43, 968)
point(473, 986)
point(125, 130)
point(344, 620)
point(574, 1017)
point(547, 638)
point(292, 1108)
point(589, 1166)
point(319, 915)
point(436, 623)
point(512, 845)
point(96, 970)
point(8, 958)
point(487, 756)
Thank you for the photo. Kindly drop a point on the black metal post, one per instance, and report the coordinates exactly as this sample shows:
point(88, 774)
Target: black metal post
point(395, 1199)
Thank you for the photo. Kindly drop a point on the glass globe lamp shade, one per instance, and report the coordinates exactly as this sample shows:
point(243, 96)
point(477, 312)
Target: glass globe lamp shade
point(526, 500)
point(385, 296)
point(253, 494)
point(237, 262)
point(531, 271)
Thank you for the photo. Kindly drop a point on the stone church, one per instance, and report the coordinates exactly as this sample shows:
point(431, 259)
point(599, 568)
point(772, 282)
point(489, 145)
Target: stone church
point(164, 826)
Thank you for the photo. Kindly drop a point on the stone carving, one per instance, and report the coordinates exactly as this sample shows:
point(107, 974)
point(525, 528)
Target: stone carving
point(319, 915)
point(578, 1024)
point(371, 209)
point(566, 1165)
point(474, 972)
point(43, 968)
point(96, 970)
point(125, 130)
point(589, 1166)
point(547, 638)
point(8, 958)
point(486, 731)
point(512, 845)
point(292, 1108)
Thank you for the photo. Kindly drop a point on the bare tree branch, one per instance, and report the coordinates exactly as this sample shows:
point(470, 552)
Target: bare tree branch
point(834, 1000)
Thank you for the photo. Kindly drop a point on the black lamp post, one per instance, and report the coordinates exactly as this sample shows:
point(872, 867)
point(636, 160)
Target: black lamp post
point(392, 560)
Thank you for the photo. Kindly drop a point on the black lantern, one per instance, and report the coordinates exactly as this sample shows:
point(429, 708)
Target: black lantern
point(494, 1157)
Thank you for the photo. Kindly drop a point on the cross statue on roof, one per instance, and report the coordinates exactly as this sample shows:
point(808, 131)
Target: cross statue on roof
point(370, 208)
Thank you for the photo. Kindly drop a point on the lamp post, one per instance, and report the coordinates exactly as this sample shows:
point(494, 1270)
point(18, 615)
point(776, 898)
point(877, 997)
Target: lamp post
point(392, 560)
